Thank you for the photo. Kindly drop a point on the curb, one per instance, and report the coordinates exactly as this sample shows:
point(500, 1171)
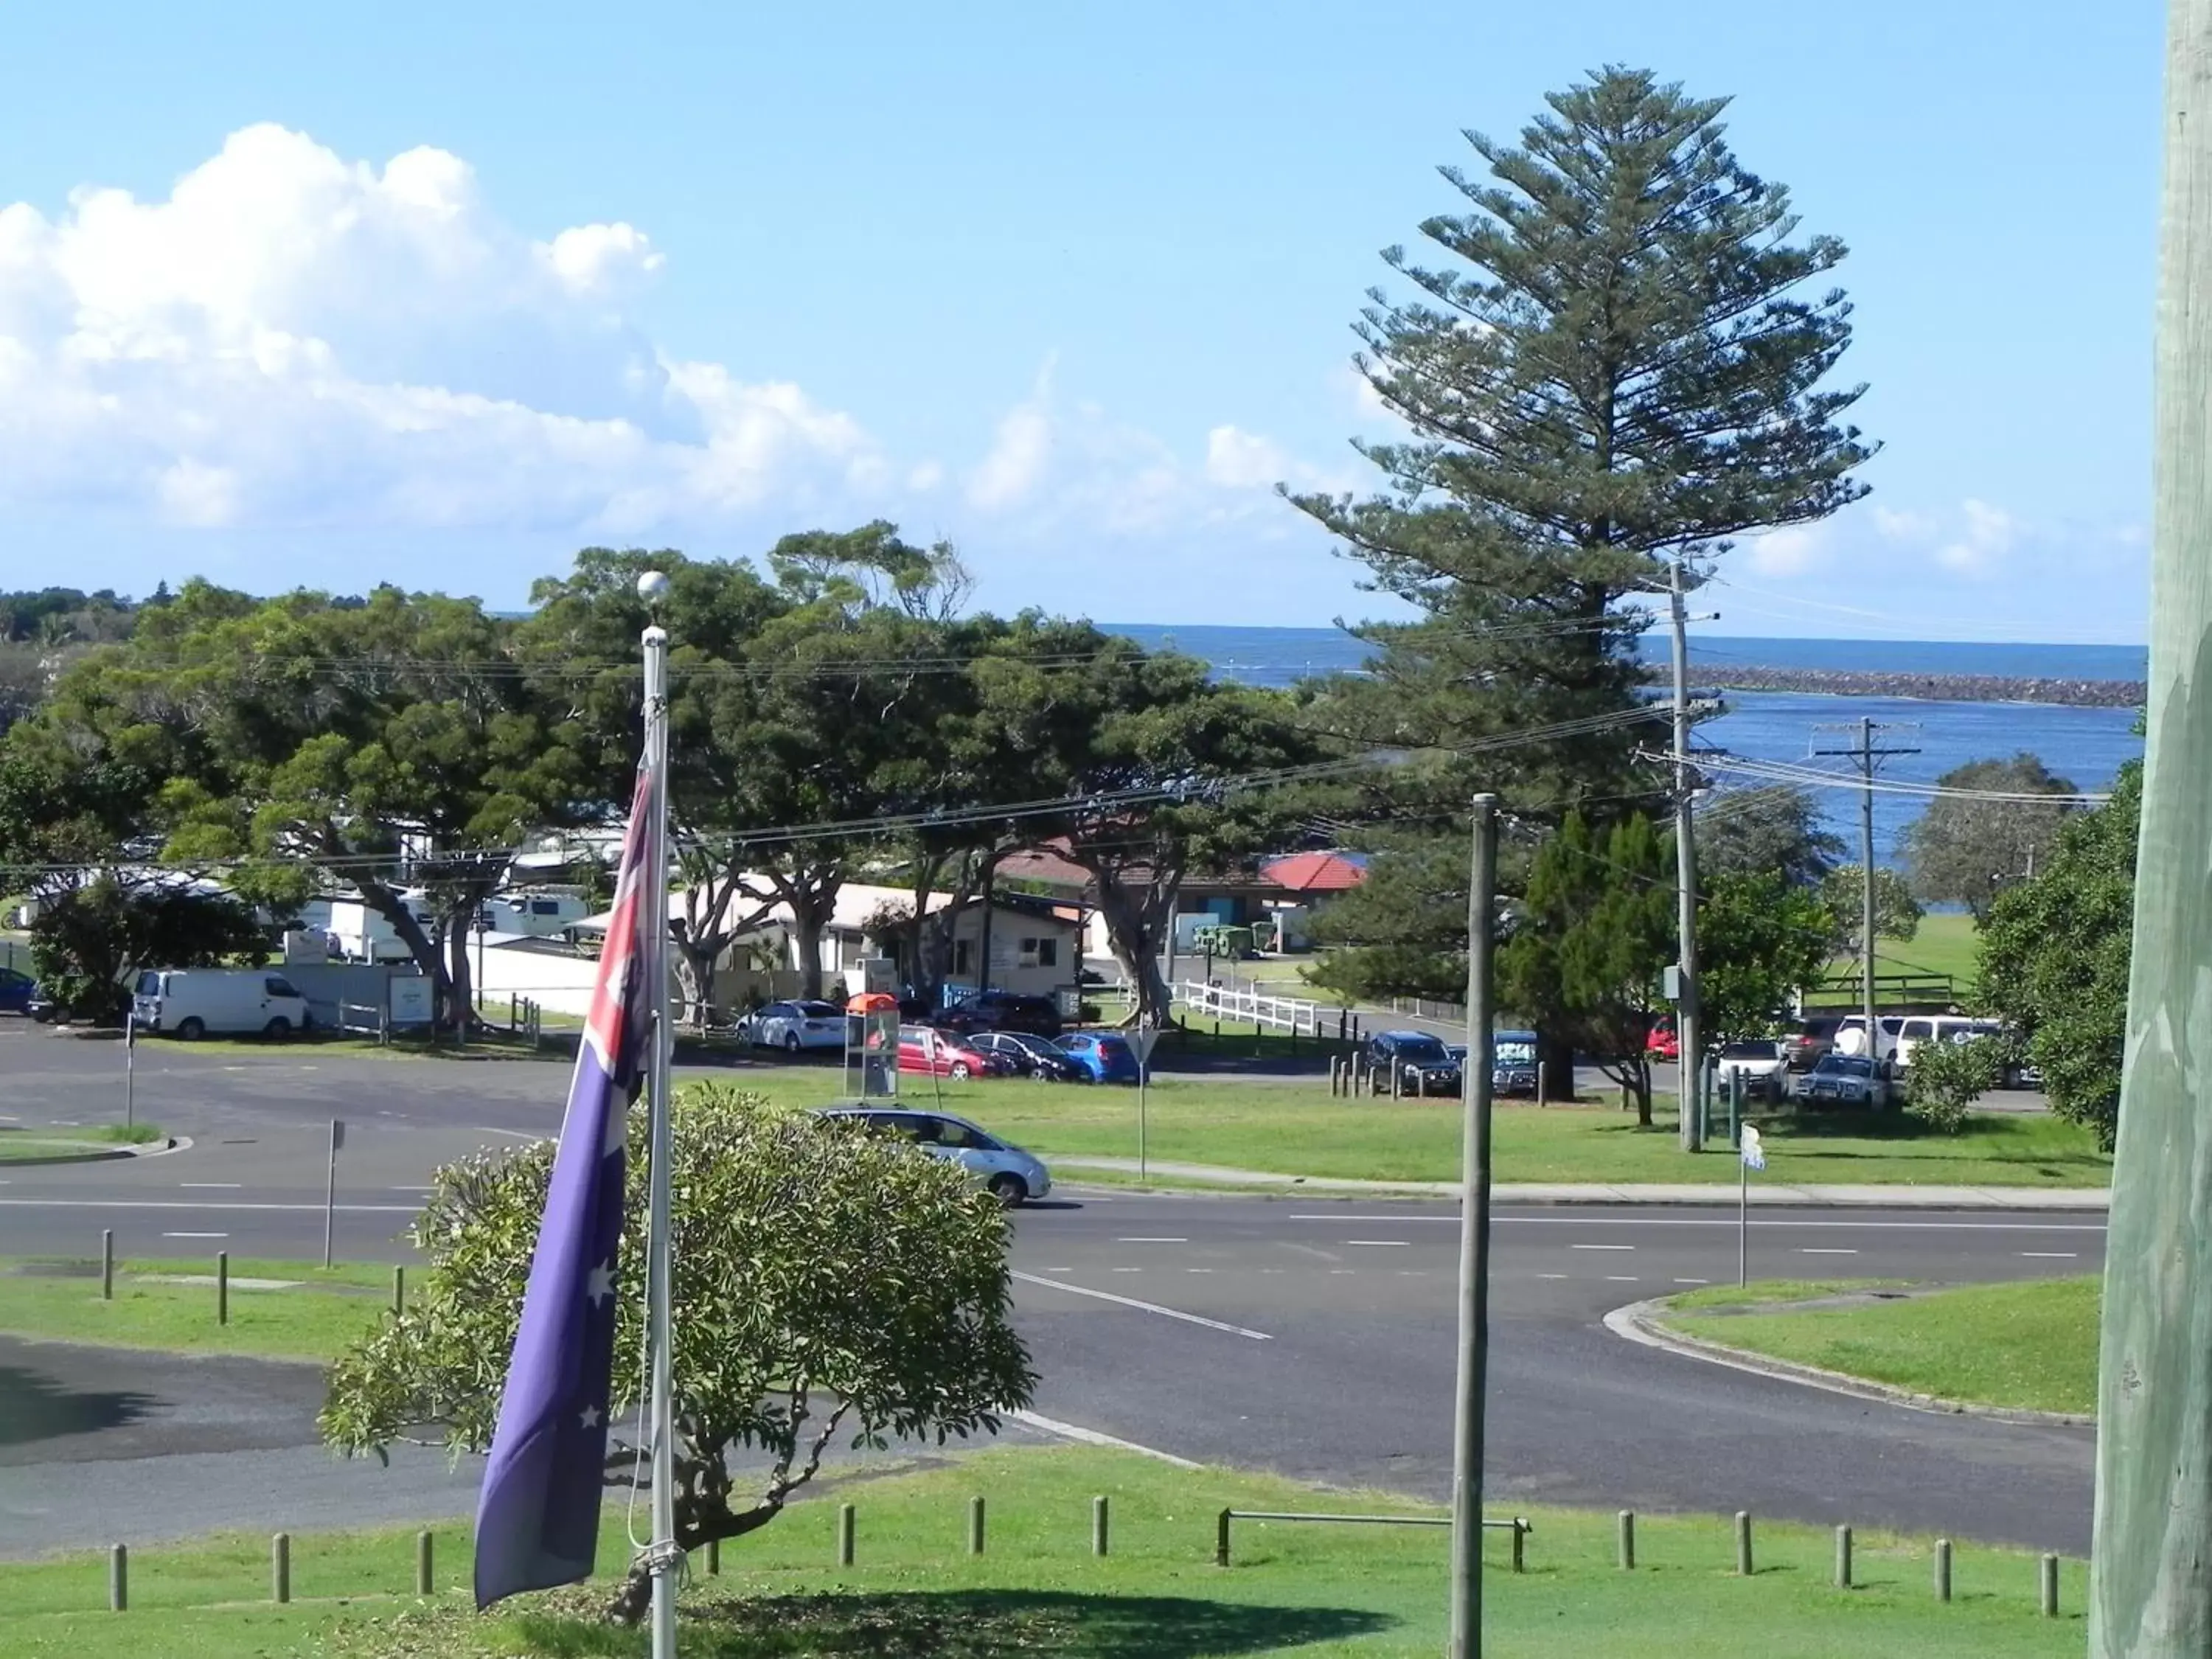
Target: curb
point(104, 1154)
point(1639, 1323)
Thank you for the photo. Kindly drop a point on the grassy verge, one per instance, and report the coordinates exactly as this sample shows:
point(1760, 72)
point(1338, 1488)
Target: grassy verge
point(315, 1317)
point(17, 1145)
point(2028, 1346)
point(1298, 1129)
point(1375, 1592)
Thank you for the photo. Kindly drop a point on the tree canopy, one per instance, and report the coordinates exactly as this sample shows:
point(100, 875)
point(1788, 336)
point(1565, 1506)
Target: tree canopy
point(1775, 829)
point(1613, 357)
point(1966, 852)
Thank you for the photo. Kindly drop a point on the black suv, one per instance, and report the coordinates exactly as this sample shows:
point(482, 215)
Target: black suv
point(1424, 1065)
point(1002, 1011)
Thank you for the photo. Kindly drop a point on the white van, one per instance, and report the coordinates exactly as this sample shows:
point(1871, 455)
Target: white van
point(191, 1003)
point(1933, 1028)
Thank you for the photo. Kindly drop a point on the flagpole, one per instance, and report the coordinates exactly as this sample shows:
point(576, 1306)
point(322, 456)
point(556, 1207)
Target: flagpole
point(664, 1559)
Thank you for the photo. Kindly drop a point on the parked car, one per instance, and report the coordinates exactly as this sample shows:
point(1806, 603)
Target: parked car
point(792, 1026)
point(1512, 1063)
point(1760, 1063)
point(1663, 1043)
point(926, 1049)
point(1807, 1041)
point(1917, 1028)
point(41, 1006)
point(1003, 1011)
point(1850, 1034)
point(1013, 1175)
point(1027, 1055)
point(1421, 1063)
point(191, 1003)
point(1104, 1057)
point(15, 991)
point(1846, 1080)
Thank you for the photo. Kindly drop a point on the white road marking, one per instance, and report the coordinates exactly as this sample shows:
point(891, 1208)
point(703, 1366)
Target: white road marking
point(512, 1135)
point(196, 1235)
point(1383, 1243)
point(1601, 1247)
point(1128, 1270)
point(1820, 1249)
point(2051, 1255)
point(1060, 1270)
point(1152, 1241)
point(1147, 1307)
point(1551, 1275)
point(1731, 1221)
point(1306, 1250)
point(1342, 1272)
point(1198, 1270)
point(1092, 1438)
point(192, 1204)
point(1620, 1278)
point(228, 1186)
point(1693, 1281)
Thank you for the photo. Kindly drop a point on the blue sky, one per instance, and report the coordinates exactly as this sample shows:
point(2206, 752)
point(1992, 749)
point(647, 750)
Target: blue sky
point(435, 294)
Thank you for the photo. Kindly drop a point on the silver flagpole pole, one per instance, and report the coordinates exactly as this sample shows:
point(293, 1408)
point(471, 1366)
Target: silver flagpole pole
point(664, 1558)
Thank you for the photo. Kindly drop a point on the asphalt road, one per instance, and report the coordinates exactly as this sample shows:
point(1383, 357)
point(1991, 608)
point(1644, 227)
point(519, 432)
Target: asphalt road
point(1311, 1337)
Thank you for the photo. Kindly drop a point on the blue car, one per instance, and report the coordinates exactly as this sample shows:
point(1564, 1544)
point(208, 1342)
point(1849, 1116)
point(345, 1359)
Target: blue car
point(1104, 1058)
point(15, 991)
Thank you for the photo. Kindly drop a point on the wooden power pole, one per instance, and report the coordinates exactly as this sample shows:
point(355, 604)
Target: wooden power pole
point(2151, 1578)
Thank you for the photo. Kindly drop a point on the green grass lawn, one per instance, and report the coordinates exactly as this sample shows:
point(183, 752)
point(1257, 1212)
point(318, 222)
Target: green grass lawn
point(1299, 1129)
point(312, 1322)
point(914, 1593)
point(2030, 1346)
point(1947, 944)
point(17, 1145)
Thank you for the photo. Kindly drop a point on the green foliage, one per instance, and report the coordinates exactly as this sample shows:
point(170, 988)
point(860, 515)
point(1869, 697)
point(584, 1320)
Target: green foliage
point(1946, 1078)
point(1843, 894)
point(1760, 939)
point(2055, 954)
point(828, 1283)
point(1774, 830)
point(1611, 365)
point(1966, 852)
point(1593, 930)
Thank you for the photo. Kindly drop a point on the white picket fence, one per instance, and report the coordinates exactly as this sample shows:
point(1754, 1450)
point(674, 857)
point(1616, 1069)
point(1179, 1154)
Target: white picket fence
point(1292, 1014)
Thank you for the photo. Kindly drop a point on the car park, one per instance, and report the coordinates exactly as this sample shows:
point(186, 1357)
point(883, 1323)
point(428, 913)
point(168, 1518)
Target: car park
point(1661, 1042)
point(1027, 1055)
point(1844, 1079)
point(1013, 1174)
point(1917, 1029)
point(41, 1006)
point(1419, 1063)
point(1850, 1034)
point(793, 1026)
point(1759, 1064)
point(1104, 1057)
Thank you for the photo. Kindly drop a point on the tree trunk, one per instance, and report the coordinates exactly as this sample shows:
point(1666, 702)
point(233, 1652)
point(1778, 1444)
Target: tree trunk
point(1133, 918)
point(386, 903)
point(459, 984)
point(694, 978)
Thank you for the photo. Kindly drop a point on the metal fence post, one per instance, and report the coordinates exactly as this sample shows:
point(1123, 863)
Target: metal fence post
point(119, 1578)
point(108, 1264)
point(280, 1567)
point(1743, 1543)
point(1520, 1543)
point(1942, 1569)
point(399, 1290)
point(222, 1287)
point(1099, 1520)
point(1625, 1550)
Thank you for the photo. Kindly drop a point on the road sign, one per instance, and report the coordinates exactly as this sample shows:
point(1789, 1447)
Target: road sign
point(1754, 1155)
point(1141, 1040)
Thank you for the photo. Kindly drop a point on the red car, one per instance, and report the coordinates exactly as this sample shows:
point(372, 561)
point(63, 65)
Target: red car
point(1663, 1043)
point(925, 1049)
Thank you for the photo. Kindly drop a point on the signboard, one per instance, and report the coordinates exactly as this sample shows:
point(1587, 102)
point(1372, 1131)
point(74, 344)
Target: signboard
point(409, 999)
point(1140, 1041)
point(879, 975)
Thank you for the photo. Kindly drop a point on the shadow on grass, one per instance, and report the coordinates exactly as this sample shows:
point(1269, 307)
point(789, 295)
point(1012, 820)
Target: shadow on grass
point(979, 1624)
point(1994, 1136)
point(33, 1406)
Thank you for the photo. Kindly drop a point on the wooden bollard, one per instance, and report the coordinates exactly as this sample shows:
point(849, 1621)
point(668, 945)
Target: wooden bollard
point(713, 1556)
point(119, 1578)
point(1098, 1522)
point(1843, 1558)
point(1221, 1538)
point(280, 1567)
point(222, 1287)
point(1520, 1543)
point(2050, 1586)
point(1743, 1543)
point(1942, 1569)
point(399, 1290)
point(1625, 1552)
point(107, 1264)
point(426, 1582)
point(976, 1525)
point(844, 1534)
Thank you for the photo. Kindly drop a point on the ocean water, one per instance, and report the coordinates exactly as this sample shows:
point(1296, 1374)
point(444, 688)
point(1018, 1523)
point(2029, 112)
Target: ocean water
point(2085, 745)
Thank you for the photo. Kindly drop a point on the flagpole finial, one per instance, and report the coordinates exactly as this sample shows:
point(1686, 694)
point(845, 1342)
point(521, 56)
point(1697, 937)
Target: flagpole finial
point(653, 586)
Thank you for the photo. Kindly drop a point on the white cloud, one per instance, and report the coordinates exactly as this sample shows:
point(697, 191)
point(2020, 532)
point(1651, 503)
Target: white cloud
point(1242, 460)
point(1790, 552)
point(1016, 462)
point(1987, 533)
point(192, 494)
point(593, 258)
point(1903, 526)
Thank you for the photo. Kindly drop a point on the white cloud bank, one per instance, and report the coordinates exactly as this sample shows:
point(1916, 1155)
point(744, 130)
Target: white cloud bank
point(291, 338)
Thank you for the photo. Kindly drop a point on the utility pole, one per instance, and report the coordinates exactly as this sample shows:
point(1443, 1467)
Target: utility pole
point(1866, 754)
point(1686, 1051)
point(1466, 1635)
point(2150, 1585)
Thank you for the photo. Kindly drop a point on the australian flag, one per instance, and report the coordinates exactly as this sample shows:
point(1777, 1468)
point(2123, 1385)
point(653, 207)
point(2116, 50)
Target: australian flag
point(538, 1516)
